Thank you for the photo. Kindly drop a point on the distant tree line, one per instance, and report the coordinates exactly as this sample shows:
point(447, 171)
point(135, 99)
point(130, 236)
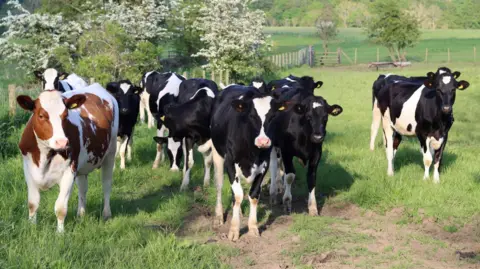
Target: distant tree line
point(431, 14)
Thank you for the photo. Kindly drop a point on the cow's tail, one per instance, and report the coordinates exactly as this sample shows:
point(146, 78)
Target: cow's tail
point(377, 86)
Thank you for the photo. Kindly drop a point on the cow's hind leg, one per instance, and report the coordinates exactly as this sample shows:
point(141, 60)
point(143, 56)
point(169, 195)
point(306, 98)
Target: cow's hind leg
point(159, 156)
point(235, 181)
point(61, 205)
point(129, 148)
point(142, 106)
point(388, 132)
point(123, 149)
point(289, 179)
point(218, 163)
point(187, 150)
point(82, 185)
point(254, 197)
point(427, 152)
point(206, 150)
point(273, 176)
point(397, 139)
point(376, 119)
point(107, 177)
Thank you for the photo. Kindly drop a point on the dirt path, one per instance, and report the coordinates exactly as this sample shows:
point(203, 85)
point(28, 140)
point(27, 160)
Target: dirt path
point(351, 238)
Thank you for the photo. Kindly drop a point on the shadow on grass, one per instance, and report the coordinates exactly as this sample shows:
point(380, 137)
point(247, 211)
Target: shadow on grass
point(9, 126)
point(408, 155)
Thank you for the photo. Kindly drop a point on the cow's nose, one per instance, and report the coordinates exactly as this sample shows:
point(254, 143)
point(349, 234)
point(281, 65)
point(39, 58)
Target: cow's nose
point(263, 142)
point(317, 138)
point(446, 109)
point(61, 143)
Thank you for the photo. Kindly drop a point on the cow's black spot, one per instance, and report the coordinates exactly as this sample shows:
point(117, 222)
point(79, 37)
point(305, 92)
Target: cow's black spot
point(409, 128)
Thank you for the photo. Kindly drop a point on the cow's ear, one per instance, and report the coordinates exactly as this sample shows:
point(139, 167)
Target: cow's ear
point(279, 106)
point(38, 74)
point(62, 75)
point(160, 140)
point(112, 87)
point(238, 105)
point(428, 83)
point(456, 74)
point(430, 75)
point(335, 110)
point(318, 84)
point(300, 109)
point(462, 85)
point(75, 101)
point(26, 102)
point(137, 90)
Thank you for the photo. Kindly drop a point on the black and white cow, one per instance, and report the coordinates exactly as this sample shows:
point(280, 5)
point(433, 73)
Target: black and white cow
point(144, 100)
point(128, 98)
point(425, 111)
point(241, 137)
point(61, 81)
point(300, 132)
point(384, 80)
point(305, 82)
point(188, 123)
point(163, 89)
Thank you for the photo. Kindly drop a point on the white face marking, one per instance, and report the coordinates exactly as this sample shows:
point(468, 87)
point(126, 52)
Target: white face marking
point(315, 105)
point(289, 79)
point(125, 87)
point(262, 106)
point(407, 115)
point(50, 75)
point(52, 102)
point(207, 90)
point(441, 71)
point(173, 147)
point(257, 85)
point(446, 79)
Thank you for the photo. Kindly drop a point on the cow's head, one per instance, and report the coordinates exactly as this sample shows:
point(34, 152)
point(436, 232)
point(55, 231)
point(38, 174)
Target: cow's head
point(257, 110)
point(312, 112)
point(174, 150)
point(127, 95)
point(445, 84)
point(50, 78)
point(50, 111)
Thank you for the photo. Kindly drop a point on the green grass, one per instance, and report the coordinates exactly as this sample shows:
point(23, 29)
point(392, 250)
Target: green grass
point(148, 209)
point(460, 42)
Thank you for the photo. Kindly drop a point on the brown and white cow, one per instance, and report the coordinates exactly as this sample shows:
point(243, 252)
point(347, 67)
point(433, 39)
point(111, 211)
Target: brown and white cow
point(68, 136)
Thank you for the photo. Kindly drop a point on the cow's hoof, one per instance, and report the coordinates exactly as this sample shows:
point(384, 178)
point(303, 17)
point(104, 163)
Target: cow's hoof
point(287, 206)
point(217, 222)
point(233, 235)
point(253, 232)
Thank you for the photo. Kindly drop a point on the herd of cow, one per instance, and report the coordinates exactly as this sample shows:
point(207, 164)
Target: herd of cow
point(76, 128)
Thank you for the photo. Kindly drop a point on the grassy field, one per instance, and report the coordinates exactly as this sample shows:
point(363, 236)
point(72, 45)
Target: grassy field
point(369, 220)
point(460, 42)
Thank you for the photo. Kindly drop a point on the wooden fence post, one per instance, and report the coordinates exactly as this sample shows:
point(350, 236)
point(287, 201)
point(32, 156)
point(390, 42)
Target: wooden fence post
point(221, 76)
point(11, 98)
point(339, 61)
point(213, 76)
point(378, 55)
point(355, 55)
point(92, 80)
point(474, 54)
point(426, 55)
point(448, 61)
point(203, 74)
point(185, 74)
point(227, 77)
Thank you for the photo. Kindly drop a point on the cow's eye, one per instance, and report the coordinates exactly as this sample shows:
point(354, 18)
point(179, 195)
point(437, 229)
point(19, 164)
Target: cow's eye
point(41, 116)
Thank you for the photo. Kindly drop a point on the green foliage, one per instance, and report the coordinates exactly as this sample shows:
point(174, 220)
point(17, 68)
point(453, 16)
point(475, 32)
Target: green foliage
point(392, 28)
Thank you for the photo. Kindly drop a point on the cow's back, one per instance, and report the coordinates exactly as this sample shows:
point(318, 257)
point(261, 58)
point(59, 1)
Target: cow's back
point(92, 128)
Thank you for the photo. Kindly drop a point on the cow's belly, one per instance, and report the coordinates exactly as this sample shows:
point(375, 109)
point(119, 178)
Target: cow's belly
point(405, 124)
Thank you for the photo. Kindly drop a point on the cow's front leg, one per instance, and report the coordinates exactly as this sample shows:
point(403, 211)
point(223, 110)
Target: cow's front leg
point(439, 147)
point(61, 205)
point(218, 163)
point(123, 149)
point(273, 177)
point(33, 202)
point(312, 181)
point(187, 150)
point(388, 133)
point(129, 147)
point(427, 154)
point(289, 179)
point(234, 232)
point(206, 150)
point(254, 197)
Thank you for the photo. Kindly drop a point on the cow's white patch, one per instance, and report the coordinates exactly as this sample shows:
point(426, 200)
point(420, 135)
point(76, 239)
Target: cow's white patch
point(441, 71)
point(207, 90)
point(52, 103)
point(262, 106)
point(257, 85)
point(446, 79)
point(50, 75)
point(289, 79)
point(285, 86)
point(387, 75)
point(65, 85)
point(315, 105)
point(254, 171)
point(407, 115)
point(125, 87)
point(173, 148)
point(171, 87)
point(76, 82)
point(436, 144)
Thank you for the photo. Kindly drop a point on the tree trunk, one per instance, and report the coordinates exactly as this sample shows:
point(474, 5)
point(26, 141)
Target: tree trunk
point(391, 52)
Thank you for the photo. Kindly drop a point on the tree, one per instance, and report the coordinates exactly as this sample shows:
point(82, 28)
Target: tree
point(392, 28)
point(233, 36)
point(326, 27)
